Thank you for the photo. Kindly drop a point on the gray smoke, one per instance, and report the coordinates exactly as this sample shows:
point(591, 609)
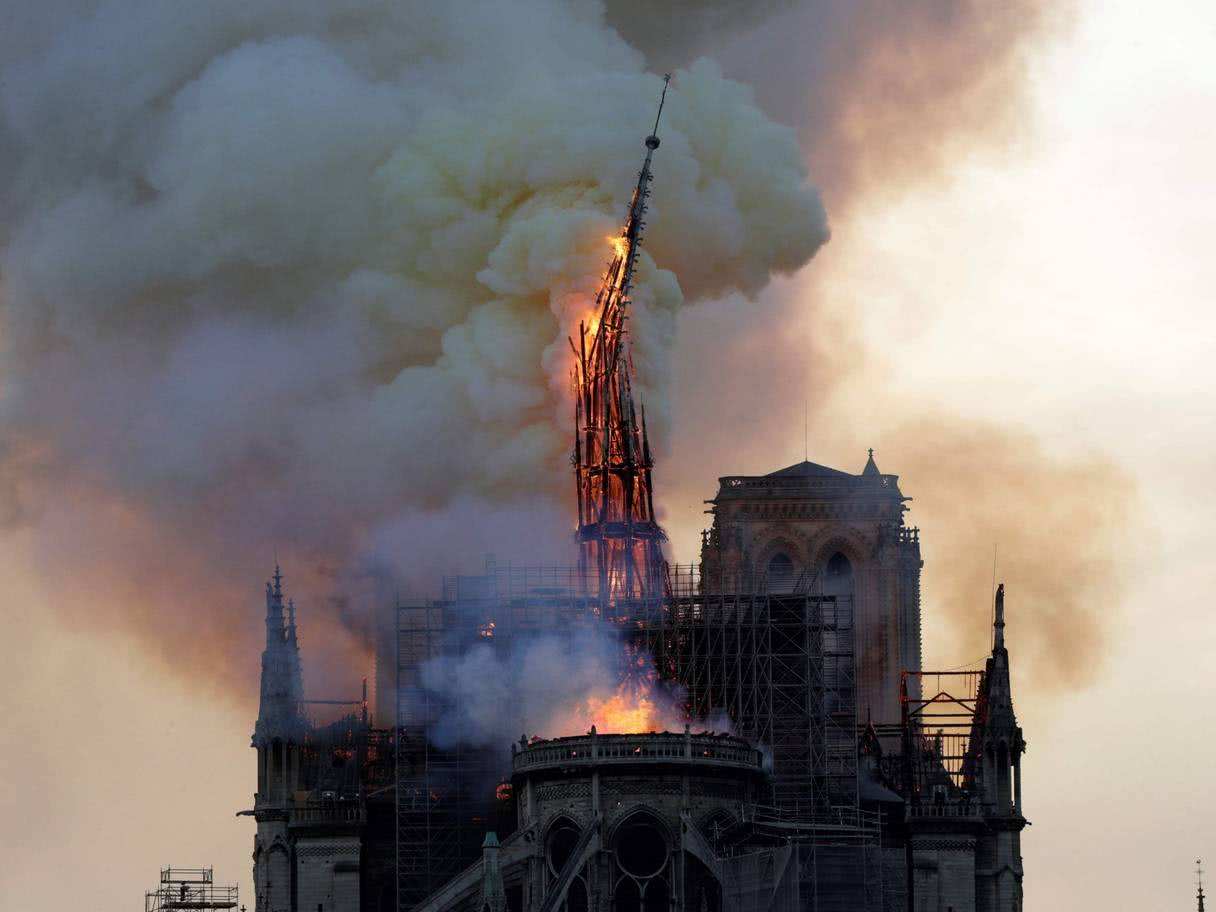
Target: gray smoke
point(298, 276)
point(547, 685)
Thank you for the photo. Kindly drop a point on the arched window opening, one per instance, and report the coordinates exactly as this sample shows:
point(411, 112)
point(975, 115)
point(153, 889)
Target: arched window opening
point(641, 849)
point(780, 573)
point(657, 896)
point(559, 846)
point(576, 896)
point(838, 576)
point(628, 898)
point(1004, 792)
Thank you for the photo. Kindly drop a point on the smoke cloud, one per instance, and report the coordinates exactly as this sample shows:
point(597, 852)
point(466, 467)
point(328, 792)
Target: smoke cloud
point(880, 91)
point(299, 277)
point(549, 686)
point(296, 278)
point(1056, 527)
point(884, 95)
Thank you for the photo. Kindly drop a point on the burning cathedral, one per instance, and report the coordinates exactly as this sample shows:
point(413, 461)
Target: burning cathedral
point(849, 778)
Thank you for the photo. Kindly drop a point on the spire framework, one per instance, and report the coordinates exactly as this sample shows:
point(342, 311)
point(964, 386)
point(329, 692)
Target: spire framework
point(620, 543)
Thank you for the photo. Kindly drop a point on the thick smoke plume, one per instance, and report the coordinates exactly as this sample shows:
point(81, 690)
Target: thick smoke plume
point(881, 91)
point(1057, 527)
point(548, 686)
point(885, 95)
point(298, 276)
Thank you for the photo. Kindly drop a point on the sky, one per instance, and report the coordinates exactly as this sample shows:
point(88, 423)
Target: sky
point(1051, 284)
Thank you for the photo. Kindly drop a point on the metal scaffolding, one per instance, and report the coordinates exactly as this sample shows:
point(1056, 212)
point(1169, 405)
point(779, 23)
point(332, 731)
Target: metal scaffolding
point(189, 889)
point(779, 660)
point(779, 664)
point(942, 712)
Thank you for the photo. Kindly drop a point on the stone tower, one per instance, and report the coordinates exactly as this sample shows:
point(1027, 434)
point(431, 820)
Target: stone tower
point(812, 525)
point(312, 806)
point(999, 865)
point(278, 736)
point(965, 843)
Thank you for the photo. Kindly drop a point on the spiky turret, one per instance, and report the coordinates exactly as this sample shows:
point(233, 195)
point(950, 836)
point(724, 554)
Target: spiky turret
point(282, 684)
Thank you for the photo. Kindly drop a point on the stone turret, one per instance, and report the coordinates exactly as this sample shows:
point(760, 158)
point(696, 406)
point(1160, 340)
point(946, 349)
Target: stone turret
point(493, 892)
point(278, 735)
point(282, 679)
point(999, 866)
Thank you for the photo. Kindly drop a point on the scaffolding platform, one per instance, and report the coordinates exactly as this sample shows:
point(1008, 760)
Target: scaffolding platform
point(189, 889)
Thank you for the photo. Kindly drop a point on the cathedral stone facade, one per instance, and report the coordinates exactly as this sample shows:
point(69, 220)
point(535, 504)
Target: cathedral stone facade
point(923, 806)
point(846, 532)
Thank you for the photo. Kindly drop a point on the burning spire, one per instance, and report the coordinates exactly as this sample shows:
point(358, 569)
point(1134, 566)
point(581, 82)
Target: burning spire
point(620, 543)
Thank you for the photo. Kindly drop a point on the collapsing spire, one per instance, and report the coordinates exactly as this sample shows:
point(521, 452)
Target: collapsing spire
point(620, 543)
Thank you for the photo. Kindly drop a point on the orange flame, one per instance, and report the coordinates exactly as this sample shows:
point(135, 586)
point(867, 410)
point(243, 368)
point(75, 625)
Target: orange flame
point(620, 714)
point(620, 246)
point(633, 707)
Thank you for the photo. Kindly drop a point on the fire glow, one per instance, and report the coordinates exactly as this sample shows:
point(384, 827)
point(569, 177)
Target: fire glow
point(631, 709)
point(620, 246)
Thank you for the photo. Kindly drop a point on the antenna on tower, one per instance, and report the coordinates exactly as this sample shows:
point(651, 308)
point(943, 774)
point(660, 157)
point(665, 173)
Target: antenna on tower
point(654, 134)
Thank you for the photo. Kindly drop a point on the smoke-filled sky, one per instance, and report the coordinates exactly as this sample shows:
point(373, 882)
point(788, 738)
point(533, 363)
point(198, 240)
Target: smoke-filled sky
point(294, 279)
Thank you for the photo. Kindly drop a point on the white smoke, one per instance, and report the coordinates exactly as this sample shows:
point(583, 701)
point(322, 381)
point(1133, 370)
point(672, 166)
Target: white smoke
point(545, 685)
point(300, 274)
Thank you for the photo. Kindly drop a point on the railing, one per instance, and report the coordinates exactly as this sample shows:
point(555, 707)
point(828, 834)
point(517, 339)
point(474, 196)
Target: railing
point(313, 814)
point(951, 809)
point(830, 824)
point(187, 875)
point(622, 749)
point(747, 485)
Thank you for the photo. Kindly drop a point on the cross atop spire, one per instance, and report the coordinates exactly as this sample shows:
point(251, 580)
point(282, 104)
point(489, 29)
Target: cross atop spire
point(1199, 883)
point(652, 141)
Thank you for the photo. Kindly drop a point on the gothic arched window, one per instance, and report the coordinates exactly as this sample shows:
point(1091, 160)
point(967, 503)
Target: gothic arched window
point(780, 572)
point(838, 576)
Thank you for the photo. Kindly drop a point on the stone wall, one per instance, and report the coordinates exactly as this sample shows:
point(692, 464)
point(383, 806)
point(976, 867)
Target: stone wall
point(327, 874)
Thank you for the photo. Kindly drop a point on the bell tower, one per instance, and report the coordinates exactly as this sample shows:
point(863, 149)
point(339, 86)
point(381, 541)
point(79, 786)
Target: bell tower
point(844, 532)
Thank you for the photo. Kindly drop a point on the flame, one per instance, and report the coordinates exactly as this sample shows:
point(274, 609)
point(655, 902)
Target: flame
point(623, 712)
point(635, 706)
point(581, 308)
